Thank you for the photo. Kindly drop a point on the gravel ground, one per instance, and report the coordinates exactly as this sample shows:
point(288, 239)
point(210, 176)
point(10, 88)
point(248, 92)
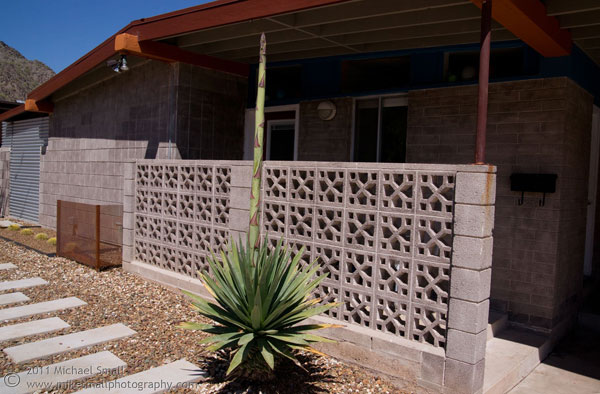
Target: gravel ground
point(30, 240)
point(114, 296)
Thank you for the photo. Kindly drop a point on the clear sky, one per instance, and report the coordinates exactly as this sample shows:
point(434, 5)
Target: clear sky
point(58, 32)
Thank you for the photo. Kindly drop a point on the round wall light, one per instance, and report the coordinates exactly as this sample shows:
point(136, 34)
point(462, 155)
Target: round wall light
point(326, 110)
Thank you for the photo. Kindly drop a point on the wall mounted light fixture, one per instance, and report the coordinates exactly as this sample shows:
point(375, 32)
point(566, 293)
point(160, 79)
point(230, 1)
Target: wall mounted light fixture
point(118, 65)
point(326, 110)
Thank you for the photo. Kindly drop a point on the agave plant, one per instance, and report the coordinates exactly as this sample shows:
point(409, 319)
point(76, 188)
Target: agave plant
point(259, 306)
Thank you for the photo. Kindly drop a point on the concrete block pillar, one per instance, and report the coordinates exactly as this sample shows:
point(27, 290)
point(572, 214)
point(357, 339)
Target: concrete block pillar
point(128, 211)
point(470, 281)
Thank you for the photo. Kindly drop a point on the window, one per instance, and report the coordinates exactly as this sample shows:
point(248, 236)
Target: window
point(281, 139)
point(380, 130)
point(375, 74)
point(504, 63)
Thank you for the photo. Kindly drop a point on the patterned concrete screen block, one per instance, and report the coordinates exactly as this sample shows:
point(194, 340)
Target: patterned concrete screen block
point(18, 312)
point(61, 374)
point(35, 327)
point(181, 212)
point(66, 343)
point(22, 283)
point(383, 234)
point(13, 298)
point(178, 374)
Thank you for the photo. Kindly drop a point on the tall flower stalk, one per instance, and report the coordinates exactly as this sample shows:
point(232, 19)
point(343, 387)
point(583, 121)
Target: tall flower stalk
point(259, 131)
point(262, 294)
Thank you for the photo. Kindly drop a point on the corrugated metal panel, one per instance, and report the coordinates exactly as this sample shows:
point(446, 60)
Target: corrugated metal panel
point(26, 140)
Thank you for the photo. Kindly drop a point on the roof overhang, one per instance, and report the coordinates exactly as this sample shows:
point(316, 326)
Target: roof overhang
point(229, 30)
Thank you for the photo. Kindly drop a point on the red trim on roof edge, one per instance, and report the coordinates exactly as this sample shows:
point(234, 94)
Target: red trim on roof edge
point(4, 117)
point(217, 13)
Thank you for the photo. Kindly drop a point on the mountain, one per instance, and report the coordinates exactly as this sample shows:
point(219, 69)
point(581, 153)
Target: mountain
point(19, 76)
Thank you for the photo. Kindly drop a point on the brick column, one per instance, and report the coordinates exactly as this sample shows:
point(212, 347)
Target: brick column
point(239, 210)
point(128, 210)
point(470, 281)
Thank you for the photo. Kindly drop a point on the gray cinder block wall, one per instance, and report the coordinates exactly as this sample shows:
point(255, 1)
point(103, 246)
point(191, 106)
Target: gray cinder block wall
point(4, 180)
point(535, 126)
point(156, 110)
point(325, 140)
point(412, 273)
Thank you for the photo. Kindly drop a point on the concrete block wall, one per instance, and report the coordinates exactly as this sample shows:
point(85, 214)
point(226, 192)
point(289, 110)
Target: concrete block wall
point(210, 114)
point(4, 180)
point(325, 140)
point(534, 126)
point(145, 113)
point(424, 294)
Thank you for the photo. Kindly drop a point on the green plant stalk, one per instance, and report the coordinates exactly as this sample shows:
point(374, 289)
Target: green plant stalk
point(259, 130)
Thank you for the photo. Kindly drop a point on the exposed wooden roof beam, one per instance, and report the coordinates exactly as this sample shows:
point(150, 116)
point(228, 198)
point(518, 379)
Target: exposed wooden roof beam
point(561, 7)
point(391, 34)
point(579, 33)
point(589, 43)
point(130, 44)
point(238, 30)
point(43, 106)
point(400, 14)
point(527, 19)
point(423, 17)
point(579, 19)
point(358, 10)
point(463, 38)
point(12, 113)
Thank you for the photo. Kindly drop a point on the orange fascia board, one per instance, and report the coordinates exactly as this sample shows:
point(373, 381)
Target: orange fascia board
point(6, 116)
point(204, 16)
point(528, 20)
point(129, 44)
point(44, 106)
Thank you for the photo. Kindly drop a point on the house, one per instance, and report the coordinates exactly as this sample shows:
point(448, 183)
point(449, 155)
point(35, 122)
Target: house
point(355, 89)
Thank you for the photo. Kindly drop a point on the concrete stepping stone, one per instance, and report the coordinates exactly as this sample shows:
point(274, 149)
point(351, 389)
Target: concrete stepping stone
point(13, 298)
point(60, 374)
point(35, 327)
point(65, 343)
point(154, 380)
point(18, 312)
point(21, 283)
point(7, 266)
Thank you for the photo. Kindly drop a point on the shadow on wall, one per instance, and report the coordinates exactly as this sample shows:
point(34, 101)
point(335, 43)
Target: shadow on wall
point(155, 110)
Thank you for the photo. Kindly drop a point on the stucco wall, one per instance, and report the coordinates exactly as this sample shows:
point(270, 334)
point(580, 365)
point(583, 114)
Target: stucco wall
point(535, 126)
point(140, 114)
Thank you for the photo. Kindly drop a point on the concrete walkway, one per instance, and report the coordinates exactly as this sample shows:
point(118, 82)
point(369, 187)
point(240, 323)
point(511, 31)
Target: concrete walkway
point(573, 367)
point(170, 376)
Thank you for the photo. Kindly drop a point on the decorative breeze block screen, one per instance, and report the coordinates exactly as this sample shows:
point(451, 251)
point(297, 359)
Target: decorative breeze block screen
point(383, 236)
point(181, 212)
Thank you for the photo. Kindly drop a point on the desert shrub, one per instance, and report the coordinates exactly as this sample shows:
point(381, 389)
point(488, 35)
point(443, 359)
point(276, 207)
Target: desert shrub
point(259, 307)
point(41, 236)
point(51, 241)
point(26, 231)
point(14, 227)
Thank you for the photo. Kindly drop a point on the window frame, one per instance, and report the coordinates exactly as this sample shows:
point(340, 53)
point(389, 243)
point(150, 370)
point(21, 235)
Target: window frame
point(380, 98)
point(269, 130)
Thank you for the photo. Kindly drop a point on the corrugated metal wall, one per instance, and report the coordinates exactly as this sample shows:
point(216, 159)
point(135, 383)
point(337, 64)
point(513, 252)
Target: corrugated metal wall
point(25, 139)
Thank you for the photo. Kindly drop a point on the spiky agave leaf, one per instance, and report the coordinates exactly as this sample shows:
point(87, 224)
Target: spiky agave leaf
point(259, 305)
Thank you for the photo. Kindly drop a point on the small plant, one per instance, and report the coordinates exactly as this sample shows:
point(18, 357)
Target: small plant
point(41, 236)
point(26, 231)
point(51, 241)
point(14, 227)
point(259, 306)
